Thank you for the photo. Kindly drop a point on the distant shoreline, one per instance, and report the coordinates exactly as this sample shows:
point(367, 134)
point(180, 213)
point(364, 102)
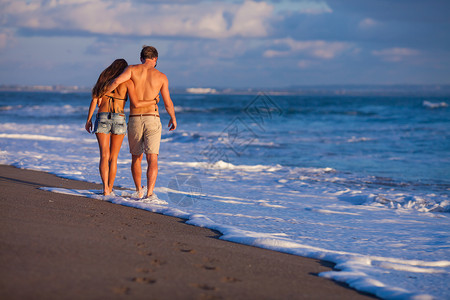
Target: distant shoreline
point(325, 90)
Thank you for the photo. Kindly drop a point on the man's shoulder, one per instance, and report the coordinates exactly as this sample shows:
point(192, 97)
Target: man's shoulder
point(160, 73)
point(136, 70)
point(135, 67)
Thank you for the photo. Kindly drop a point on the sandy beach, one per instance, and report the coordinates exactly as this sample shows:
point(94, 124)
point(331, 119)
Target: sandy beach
point(56, 246)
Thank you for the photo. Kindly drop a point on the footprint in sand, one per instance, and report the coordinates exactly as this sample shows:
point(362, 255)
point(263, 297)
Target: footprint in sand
point(183, 247)
point(230, 279)
point(205, 287)
point(208, 267)
point(140, 244)
point(146, 253)
point(179, 244)
point(146, 280)
point(143, 270)
point(188, 250)
point(158, 262)
point(121, 290)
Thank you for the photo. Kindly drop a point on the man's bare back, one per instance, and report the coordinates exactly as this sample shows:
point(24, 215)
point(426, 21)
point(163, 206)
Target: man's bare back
point(148, 83)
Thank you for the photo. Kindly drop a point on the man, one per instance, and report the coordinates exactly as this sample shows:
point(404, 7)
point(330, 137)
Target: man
point(144, 125)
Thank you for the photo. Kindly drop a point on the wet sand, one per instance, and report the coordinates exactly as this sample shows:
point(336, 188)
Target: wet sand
point(55, 246)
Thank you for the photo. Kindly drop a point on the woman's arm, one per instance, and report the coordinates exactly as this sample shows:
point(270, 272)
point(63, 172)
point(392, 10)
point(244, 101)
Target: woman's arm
point(88, 125)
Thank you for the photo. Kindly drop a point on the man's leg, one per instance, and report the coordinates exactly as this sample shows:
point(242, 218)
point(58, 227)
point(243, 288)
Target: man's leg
point(136, 171)
point(152, 172)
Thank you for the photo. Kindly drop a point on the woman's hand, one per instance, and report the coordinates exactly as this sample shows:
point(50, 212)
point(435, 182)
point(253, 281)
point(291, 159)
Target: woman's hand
point(88, 126)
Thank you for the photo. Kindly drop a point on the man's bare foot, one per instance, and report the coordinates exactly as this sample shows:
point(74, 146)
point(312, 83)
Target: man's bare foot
point(153, 199)
point(139, 193)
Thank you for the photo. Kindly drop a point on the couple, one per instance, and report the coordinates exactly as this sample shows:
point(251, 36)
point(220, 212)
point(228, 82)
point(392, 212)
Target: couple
point(142, 83)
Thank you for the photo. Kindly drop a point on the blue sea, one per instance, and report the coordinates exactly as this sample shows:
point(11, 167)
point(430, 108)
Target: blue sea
point(359, 180)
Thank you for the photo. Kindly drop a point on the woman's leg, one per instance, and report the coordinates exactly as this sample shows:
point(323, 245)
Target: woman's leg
point(103, 144)
point(116, 143)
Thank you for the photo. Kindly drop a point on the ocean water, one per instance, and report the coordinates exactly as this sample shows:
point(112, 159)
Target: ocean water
point(361, 181)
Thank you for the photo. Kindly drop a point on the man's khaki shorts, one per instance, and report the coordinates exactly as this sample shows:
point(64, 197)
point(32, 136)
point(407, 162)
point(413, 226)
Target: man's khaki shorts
point(144, 134)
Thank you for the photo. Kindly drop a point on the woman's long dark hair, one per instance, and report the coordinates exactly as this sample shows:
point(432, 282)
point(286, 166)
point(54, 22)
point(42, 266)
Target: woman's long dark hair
point(108, 76)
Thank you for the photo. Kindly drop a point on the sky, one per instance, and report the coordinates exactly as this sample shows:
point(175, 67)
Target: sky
point(229, 43)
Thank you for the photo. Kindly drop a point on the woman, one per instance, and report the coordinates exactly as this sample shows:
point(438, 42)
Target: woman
point(110, 124)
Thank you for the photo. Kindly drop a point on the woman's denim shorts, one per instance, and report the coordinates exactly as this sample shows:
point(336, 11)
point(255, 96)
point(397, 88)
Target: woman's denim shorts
point(110, 123)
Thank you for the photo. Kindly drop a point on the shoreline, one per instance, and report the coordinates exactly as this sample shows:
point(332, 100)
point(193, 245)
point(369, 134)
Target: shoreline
point(62, 246)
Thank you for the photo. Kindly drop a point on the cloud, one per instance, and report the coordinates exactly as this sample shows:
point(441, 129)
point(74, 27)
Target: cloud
point(302, 7)
point(317, 49)
point(6, 38)
point(249, 19)
point(395, 54)
point(201, 19)
point(217, 50)
point(367, 23)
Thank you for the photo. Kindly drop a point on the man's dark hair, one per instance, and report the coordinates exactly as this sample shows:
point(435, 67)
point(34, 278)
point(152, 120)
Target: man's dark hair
point(149, 52)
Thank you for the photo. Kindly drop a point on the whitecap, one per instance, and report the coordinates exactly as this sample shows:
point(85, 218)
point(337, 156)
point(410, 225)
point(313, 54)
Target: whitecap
point(429, 104)
point(38, 137)
point(354, 139)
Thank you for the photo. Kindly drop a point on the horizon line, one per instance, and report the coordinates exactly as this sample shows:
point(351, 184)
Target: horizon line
point(337, 89)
